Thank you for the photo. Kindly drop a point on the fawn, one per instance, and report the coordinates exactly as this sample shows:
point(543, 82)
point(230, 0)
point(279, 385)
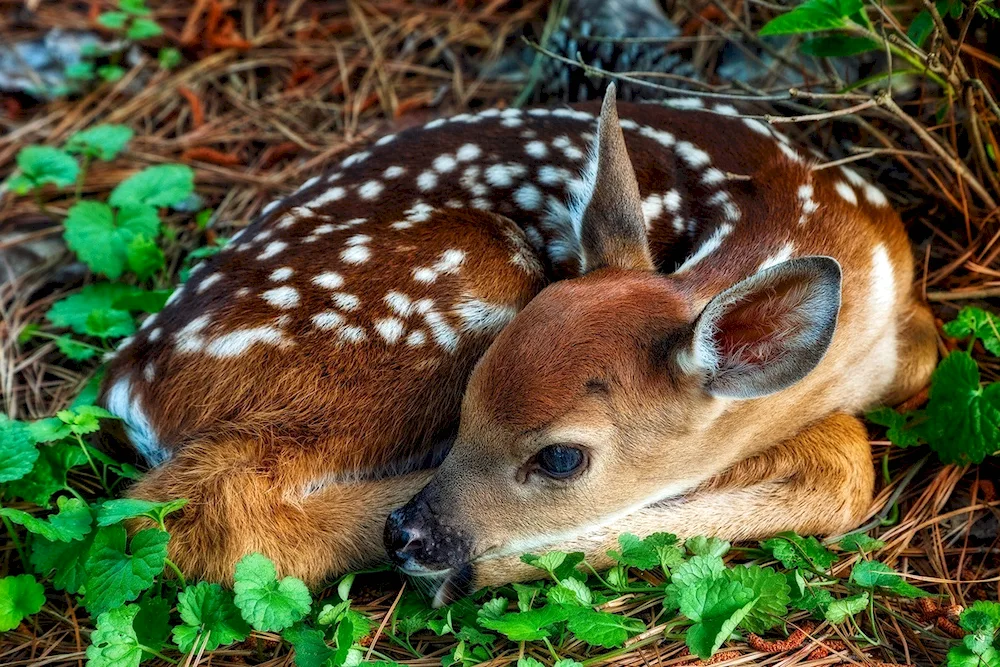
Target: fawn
point(505, 341)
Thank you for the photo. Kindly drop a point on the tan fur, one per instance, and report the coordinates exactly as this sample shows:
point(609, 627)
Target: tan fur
point(299, 446)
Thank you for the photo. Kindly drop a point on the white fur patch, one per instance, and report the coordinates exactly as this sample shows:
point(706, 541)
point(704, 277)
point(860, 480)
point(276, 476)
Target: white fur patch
point(329, 280)
point(282, 274)
point(882, 293)
point(272, 249)
point(692, 155)
point(371, 190)
point(208, 281)
point(357, 254)
point(479, 315)
point(707, 248)
point(235, 343)
point(346, 301)
point(282, 297)
point(503, 175)
point(121, 401)
point(846, 192)
point(783, 255)
point(685, 103)
point(393, 172)
point(331, 195)
point(391, 329)
point(468, 152)
point(427, 181)
point(444, 164)
point(536, 149)
point(528, 197)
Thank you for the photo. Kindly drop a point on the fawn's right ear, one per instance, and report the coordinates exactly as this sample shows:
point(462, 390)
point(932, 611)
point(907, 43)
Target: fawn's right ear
point(613, 229)
point(766, 332)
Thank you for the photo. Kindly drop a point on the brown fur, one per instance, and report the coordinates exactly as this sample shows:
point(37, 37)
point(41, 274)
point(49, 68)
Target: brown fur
point(291, 449)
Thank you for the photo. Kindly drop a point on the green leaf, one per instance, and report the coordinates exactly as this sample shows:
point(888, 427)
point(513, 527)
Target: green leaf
point(269, 605)
point(837, 46)
point(813, 16)
point(113, 20)
point(103, 142)
point(208, 608)
point(114, 642)
point(796, 551)
point(17, 450)
point(771, 591)
point(44, 164)
point(873, 574)
point(717, 606)
point(152, 624)
point(707, 546)
point(70, 524)
point(900, 430)
point(658, 549)
point(110, 73)
point(84, 419)
point(74, 349)
point(599, 628)
point(65, 560)
point(159, 186)
point(115, 576)
point(48, 475)
point(527, 625)
point(964, 416)
point(20, 597)
point(134, 7)
point(961, 656)
point(143, 301)
point(75, 311)
point(310, 647)
point(548, 562)
point(572, 592)
point(115, 511)
point(696, 569)
point(144, 257)
point(143, 29)
point(528, 661)
point(860, 542)
point(839, 610)
point(169, 57)
point(978, 323)
point(81, 71)
point(101, 238)
point(49, 429)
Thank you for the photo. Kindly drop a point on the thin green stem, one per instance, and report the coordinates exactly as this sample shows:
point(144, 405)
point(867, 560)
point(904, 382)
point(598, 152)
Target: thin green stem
point(177, 571)
point(82, 176)
point(159, 655)
point(90, 460)
point(15, 541)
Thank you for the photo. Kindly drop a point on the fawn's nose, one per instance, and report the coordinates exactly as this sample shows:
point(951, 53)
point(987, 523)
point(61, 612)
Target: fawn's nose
point(419, 540)
point(401, 542)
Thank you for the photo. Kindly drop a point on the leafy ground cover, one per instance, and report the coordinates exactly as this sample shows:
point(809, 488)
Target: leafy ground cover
point(146, 169)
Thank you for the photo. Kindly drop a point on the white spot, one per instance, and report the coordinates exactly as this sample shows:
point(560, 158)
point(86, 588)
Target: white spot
point(729, 209)
point(330, 319)
point(346, 301)
point(437, 122)
point(208, 281)
point(757, 126)
point(550, 175)
point(481, 203)
point(329, 280)
point(235, 343)
point(121, 401)
point(416, 338)
point(854, 177)
point(390, 328)
point(281, 297)
point(358, 239)
point(427, 181)
point(323, 229)
point(468, 152)
point(847, 192)
point(449, 262)
point(692, 155)
point(189, 337)
point(424, 275)
point(333, 194)
point(707, 248)
point(874, 195)
point(272, 249)
point(282, 274)
point(399, 303)
point(393, 172)
point(528, 197)
point(444, 163)
point(537, 112)
point(569, 149)
point(357, 254)
point(242, 292)
point(155, 334)
point(149, 372)
point(352, 334)
point(478, 315)
point(265, 211)
point(386, 139)
point(308, 184)
point(503, 175)
point(652, 207)
point(791, 153)
point(883, 282)
point(783, 255)
point(512, 122)
point(660, 136)
point(685, 103)
point(726, 109)
point(672, 201)
point(355, 159)
point(441, 331)
point(536, 149)
point(371, 189)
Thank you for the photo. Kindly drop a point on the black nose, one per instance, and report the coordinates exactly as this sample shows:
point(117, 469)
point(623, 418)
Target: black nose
point(400, 542)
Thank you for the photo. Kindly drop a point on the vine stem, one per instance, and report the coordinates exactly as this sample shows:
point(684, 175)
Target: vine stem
point(177, 571)
point(15, 540)
point(93, 466)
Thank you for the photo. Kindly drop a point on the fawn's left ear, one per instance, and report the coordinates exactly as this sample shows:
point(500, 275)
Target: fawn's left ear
point(613, 229)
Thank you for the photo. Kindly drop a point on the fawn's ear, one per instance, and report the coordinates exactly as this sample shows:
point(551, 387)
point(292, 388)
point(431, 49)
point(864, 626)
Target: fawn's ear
point(768, 331)
point(613, 229)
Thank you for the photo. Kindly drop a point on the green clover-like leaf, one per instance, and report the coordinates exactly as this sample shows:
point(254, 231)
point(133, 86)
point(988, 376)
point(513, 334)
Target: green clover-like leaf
point(103, 142)
point(70, 524)
point(208, 609)
point(114, 642)
point(20, 596)
point(269, 605)
point(162, 185)
point(115, 576)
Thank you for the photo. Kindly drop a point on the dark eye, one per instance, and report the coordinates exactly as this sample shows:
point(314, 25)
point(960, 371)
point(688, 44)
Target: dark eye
point(560, 461)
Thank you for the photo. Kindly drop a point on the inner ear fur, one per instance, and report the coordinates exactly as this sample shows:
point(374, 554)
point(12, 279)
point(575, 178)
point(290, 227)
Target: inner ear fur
point(613, 228)
point(768, 331)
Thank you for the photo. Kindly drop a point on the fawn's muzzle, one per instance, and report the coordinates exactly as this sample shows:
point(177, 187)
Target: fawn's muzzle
point(418, 542)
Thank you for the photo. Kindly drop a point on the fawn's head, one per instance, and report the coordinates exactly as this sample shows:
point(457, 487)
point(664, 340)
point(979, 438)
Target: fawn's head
point(596, 399)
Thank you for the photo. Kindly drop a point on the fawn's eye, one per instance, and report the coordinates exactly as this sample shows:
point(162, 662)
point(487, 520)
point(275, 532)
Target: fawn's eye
point(560, 461)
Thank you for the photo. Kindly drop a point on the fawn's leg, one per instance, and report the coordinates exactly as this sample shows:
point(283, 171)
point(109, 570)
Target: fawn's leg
point(918, 353)
point(819, 482)
point(241, 501)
